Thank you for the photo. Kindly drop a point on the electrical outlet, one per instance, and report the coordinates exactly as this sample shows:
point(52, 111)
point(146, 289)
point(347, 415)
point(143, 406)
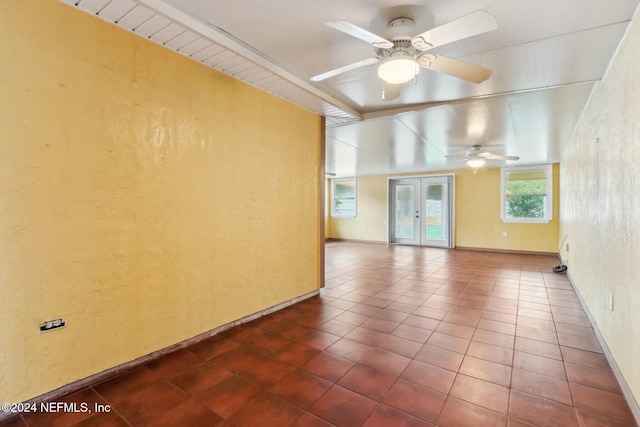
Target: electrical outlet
point(51, 325)
point(505, 234)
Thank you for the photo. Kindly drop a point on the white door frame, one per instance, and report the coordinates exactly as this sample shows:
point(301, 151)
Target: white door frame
point(420, 241)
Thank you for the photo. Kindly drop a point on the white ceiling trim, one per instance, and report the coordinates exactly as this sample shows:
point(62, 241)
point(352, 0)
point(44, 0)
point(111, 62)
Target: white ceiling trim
point(181, 32)
point(376, 114)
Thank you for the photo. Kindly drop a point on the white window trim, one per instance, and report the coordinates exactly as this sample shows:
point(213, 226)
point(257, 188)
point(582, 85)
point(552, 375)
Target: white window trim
point(548, 168)
point(333, 211)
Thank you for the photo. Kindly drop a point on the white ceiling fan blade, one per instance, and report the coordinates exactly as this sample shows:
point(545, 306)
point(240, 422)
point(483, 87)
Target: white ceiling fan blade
point(454, 67)
point(470, 25)
point(360, 33)
point(346, 68)
point(391, 91)
point(492, 156)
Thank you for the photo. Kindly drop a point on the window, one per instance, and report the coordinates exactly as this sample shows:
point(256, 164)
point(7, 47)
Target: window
point(343, 197)
point(526, 194)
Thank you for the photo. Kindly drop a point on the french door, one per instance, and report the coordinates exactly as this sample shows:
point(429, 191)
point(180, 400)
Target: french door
point(420, 211)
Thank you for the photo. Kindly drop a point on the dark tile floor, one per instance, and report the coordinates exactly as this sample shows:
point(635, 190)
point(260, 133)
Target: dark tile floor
point(400, 336)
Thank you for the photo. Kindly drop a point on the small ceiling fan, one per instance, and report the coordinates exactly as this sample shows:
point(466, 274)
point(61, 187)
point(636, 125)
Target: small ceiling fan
point(403, 49)
point(476, 158)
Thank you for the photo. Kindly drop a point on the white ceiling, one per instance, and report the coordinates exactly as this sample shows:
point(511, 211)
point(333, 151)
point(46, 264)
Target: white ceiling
point(546, 57)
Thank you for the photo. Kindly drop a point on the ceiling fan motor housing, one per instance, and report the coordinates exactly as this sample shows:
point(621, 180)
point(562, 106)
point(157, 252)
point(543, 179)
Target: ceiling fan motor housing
point(400, 32)
point(474, 151)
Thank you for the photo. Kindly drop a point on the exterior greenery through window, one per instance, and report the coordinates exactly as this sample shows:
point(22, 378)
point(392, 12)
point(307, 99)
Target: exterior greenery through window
point(526, 194)
point(343, 199)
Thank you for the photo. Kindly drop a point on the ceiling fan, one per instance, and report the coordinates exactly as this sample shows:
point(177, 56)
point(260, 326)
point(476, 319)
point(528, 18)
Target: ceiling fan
point(476, 158)
point(402, 49)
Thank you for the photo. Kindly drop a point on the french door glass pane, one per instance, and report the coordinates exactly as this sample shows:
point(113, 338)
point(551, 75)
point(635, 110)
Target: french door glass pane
point(405, 208)
point(435, 221)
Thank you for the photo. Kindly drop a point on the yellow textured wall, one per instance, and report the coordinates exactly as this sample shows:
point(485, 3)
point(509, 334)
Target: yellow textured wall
point(478, 223)
point(371, 212)
point(477, 215)
point(144, 198)
point(601, 207)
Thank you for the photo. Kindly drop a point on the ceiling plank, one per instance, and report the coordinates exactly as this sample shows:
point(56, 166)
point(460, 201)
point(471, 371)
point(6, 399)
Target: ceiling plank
point(225, 40)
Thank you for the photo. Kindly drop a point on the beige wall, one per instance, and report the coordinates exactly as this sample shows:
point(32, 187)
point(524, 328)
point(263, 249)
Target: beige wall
point(477, 215)
point(144, 198)
point(600, 211)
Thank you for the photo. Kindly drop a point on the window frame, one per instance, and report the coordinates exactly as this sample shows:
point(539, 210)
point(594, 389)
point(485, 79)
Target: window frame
point(333, 198)
point(548, 208)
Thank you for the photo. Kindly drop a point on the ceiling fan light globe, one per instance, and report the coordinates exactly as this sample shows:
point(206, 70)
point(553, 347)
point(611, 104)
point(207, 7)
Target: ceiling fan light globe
point(398, 70)
point(476, 163)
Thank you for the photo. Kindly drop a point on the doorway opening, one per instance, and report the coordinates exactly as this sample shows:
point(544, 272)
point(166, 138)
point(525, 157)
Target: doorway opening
point(421, 211)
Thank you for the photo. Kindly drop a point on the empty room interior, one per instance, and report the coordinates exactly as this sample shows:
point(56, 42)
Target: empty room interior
point(303, 213)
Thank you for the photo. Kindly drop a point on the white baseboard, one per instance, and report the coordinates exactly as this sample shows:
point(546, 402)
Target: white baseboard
point(626, 391)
